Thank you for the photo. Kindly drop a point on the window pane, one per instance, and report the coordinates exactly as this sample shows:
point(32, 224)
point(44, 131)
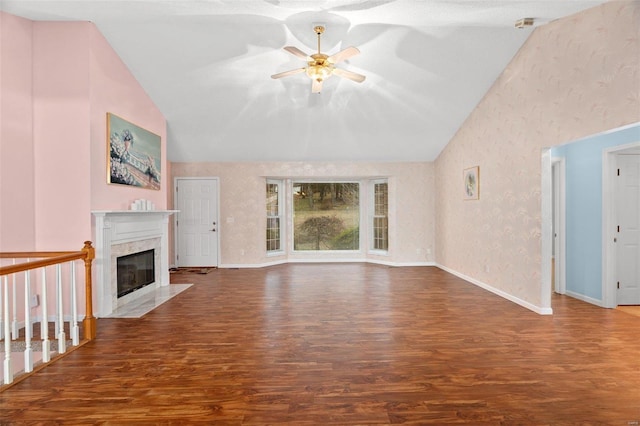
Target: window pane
point(273, 239)
point(326, 216)
point(380, 219)
point(272, 199)
point(382, 199)
point(380, 233)
point(273, 233)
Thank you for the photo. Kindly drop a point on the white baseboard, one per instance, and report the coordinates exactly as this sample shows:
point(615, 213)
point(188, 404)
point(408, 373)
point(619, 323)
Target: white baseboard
point(584, 298)
point(281, 262)
point(327, 260)
point(250, 265)
point(537, 309)
point(400, 264)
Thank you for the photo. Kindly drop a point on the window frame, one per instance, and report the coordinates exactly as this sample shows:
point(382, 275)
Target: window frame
point(279, 216)
point(373, 216)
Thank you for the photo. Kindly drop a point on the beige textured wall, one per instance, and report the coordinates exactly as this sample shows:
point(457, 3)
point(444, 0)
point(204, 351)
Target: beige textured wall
point(242, 197)
point(573, 77)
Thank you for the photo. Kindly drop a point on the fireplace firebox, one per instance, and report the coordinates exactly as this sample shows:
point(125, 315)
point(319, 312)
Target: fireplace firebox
point(135, 271)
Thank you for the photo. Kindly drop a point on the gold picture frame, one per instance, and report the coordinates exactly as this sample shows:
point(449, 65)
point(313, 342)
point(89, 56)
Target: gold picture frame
point(133, 154)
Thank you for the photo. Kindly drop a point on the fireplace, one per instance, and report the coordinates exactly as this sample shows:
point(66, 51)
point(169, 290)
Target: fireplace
point(135, 271)
point(119, 234)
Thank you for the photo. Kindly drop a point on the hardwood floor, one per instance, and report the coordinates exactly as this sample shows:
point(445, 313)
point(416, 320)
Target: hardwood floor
point(343, 344)
point(630, 309)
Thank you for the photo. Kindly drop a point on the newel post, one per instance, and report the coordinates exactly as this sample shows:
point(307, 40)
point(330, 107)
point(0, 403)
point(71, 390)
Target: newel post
point(89, 322)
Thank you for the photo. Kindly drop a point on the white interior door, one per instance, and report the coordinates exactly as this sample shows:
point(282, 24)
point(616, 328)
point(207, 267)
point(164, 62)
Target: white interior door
point(628, 231)
point(197, 222)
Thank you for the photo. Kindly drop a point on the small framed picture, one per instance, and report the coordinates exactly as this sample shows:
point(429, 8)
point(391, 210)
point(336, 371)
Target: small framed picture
point(471, 183)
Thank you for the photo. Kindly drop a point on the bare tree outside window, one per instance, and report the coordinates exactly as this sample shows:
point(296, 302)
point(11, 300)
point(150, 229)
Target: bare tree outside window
point(326, 215)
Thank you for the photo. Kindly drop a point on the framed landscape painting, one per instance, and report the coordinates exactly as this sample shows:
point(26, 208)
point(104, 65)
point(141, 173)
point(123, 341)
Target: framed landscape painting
point(134, 156)
point(472, 183)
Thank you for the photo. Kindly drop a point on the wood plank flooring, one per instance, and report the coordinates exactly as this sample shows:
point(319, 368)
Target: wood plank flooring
point(343, 344)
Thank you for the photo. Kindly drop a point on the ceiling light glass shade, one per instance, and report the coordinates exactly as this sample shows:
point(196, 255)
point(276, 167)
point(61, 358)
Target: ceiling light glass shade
point(319, 72)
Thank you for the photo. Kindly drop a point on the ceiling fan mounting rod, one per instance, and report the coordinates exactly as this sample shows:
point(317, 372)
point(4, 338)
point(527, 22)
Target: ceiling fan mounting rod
point(319, 29)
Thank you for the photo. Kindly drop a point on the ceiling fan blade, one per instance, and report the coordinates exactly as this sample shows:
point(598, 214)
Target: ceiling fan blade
point(358, 78)
point(297, 52)
point(343, 55)
point(288, 73)
point(316, 86)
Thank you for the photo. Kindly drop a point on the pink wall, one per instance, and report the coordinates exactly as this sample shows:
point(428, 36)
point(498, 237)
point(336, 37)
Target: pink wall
point(114, 89)
point(61, 134)
point(573, 77)
point(59, 80)
point(16, 136)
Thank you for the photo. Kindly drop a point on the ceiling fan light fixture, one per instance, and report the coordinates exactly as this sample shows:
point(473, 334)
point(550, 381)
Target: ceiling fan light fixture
point(319, 72)
point(321, 66)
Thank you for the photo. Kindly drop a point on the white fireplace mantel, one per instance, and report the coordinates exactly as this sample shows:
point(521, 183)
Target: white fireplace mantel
point(114, 227)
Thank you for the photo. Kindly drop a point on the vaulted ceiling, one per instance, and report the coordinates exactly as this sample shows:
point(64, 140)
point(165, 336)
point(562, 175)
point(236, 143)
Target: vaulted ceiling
point(207, 66)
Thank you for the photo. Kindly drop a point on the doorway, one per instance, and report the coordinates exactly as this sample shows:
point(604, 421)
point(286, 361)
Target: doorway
point(197, 225)
point(553, 229)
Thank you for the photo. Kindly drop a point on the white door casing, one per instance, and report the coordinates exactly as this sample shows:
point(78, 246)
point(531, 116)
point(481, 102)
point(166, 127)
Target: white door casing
point(546, 198)
point(559, 212)
point(628, 229)
point(197, 225)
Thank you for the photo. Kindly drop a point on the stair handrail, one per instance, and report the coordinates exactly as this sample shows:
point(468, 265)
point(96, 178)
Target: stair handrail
point(47, 258)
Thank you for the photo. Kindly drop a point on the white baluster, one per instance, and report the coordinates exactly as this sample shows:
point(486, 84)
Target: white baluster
point(55, 304)
point(31, 324)
point(62, 338)
point(14, 323)
point(28, 352)
point(44, 325)
point(74, 329)
point(1, 311)
point(8, 371)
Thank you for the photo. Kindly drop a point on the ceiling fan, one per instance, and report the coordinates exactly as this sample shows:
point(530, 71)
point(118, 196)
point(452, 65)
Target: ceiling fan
point(320, 66)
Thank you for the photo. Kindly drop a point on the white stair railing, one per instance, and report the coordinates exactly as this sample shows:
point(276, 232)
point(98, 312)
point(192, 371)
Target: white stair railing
point(55, 271)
